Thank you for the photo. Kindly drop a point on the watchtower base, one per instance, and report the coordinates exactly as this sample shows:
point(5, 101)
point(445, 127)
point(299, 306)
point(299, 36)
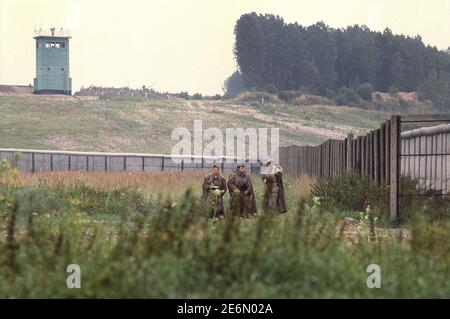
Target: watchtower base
point(52, 92)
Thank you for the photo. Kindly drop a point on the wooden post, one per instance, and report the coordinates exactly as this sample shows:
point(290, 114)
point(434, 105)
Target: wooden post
point(371, 166)
point(69, 162)
point(363, 156)
point(382, 142)
point(349, 153)
point(394, 166)
point(33, 168)
point(387, 153)
point(51, 162)
point(328, 159)
point(124, 163)
point(376, 162)
point(143, 158)
point(87, 162)
point(162, 163)
point(367, 151)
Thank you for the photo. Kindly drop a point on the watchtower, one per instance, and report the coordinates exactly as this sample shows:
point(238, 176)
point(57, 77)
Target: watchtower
point(52, 62)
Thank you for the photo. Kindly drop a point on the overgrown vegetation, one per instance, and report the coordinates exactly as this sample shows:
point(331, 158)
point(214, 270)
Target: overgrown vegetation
point(353, 192)
point(130, 246)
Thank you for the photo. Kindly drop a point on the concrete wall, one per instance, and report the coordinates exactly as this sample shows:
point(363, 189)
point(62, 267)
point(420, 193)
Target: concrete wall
point(39, 160)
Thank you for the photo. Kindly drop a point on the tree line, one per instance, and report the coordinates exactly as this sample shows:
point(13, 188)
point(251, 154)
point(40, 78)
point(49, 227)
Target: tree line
point(273, 54)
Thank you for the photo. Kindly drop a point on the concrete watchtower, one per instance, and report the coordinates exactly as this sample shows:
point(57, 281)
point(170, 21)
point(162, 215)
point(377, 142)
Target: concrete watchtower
point(52, 62)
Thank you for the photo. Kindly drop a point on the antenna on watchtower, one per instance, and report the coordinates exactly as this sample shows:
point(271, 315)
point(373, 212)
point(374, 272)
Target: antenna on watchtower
point(53, 31)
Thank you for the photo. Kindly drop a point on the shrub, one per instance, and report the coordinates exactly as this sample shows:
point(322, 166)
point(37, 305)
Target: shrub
point(307, 99)
point(346, 192)
point(393, 91)
point(365, 91)
point(288, 96)
point(196, 96)
point(347, 96)
point(257, 97)
point(234, 85)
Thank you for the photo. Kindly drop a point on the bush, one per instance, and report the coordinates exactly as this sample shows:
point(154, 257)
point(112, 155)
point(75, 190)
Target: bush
point(350, 192)
point(365, 91)
point(234, 85)
point(256, 98)
point(307, 99)
point(347, 96)
point(288, 96)
point(196, 96)
point(393, 91)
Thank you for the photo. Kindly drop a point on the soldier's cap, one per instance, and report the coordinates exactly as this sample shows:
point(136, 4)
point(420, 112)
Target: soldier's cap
point(215, 166)
point(240, 165)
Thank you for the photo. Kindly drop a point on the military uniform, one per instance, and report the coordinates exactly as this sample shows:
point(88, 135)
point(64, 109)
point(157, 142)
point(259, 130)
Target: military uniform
point(214, 187)
point(242, 194)
point(274, 197)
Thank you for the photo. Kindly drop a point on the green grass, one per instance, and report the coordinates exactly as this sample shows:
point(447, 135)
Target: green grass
point(131, 247)
point(140, 125)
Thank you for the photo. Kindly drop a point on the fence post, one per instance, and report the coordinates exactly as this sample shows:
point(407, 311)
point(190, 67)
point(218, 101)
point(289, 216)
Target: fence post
point(162, 163)
point(382, 141)
point(394, 166)
point(349, 154)
point(32, 163)
point(51, 162)
point(376, 162)
point(143, 163)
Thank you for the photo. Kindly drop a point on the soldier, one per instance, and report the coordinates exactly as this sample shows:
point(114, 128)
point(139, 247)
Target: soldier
point(242, 193)
point(274, 198)
point(214, 187)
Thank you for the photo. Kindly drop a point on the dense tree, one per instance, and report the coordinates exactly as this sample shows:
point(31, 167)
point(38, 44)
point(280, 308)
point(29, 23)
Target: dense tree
point(271, 53)
point(249, 49)
point(437, 89)
point(234, 85)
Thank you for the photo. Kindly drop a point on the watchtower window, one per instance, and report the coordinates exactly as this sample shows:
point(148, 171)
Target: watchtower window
point(56, 45)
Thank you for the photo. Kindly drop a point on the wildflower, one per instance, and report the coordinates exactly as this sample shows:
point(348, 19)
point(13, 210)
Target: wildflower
point(316, 201)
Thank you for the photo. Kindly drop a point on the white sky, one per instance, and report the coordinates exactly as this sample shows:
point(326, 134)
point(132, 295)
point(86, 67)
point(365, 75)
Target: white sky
point(175, 45)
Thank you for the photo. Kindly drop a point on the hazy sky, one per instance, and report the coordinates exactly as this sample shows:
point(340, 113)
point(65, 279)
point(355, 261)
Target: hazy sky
point(175, 45)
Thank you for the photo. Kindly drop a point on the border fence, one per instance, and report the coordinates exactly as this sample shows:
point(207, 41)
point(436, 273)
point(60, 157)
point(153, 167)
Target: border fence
point(44, 160)
point(382, 156)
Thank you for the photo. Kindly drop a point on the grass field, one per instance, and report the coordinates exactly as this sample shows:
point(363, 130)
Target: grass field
point(140, 125)
point(147, 236)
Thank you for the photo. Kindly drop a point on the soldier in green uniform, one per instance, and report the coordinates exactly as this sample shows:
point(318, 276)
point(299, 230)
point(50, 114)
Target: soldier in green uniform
point(274, 198)
point(242, 192)
point(214, 187)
